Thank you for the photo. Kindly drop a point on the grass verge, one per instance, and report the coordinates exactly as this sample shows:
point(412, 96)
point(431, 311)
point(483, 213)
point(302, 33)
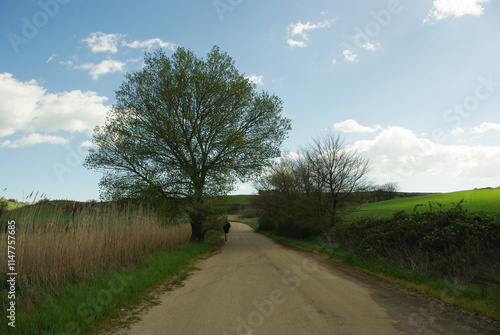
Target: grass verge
point(470, 296)
point(87, 306)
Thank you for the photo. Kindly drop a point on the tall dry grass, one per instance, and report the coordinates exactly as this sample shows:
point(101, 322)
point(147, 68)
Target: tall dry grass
point(54, 247)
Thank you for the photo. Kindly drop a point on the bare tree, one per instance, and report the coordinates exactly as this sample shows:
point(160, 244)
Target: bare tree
point(390, 189)
point(337, 172)
point(386, 191)
point(309, 189)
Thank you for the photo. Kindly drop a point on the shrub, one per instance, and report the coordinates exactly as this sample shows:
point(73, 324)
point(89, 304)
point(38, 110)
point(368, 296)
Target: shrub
point(290, 214)
point(444, 242)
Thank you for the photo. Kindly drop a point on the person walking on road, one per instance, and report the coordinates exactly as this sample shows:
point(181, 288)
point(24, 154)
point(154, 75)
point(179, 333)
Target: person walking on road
point(226, 229)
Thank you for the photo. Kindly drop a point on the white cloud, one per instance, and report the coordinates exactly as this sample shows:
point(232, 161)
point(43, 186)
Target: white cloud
point(27, 107)
point(371, 46)
point(351, 126)
point(397, 153)
point(101, 42)
point(457, 131)
point(33, 139)
point(87, 144)
point(104, 67)
point(18, 100)
point(294, 43)
point(259, 80)
point(68, 63)
point(291, 156)
point(301, 29)
point(349, 55)
point(484, 127)
point(74, 111)
point(149, 44)
point(442, 9)
point(51, 58)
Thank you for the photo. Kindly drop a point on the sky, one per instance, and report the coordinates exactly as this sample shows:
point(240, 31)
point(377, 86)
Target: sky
point(412, 85)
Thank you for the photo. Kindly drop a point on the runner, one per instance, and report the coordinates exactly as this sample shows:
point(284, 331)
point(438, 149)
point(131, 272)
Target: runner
point(226, 229)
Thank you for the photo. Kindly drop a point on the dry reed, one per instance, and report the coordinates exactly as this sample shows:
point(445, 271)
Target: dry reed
point(62, 247)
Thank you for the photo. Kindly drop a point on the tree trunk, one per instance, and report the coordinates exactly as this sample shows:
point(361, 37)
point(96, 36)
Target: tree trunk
point(197, 217)
point(197, 233)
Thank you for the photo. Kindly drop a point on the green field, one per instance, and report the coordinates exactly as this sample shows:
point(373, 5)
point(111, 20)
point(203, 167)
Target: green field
point(13, 205)
point(237, 199)
point(486, 200)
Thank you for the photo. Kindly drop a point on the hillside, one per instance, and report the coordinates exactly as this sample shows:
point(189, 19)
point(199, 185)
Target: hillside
point(487, 200)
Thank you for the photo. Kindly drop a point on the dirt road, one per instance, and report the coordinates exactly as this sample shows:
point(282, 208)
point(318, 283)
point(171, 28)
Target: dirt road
point(255, 286)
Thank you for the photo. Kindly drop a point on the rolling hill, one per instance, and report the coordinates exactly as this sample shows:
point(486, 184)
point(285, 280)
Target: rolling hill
point(487, 200)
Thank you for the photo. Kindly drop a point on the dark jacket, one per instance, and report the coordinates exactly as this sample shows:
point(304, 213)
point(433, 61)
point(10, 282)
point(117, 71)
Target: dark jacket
point(226, 227)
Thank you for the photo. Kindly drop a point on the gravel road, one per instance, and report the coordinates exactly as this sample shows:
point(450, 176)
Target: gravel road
point(256, 286)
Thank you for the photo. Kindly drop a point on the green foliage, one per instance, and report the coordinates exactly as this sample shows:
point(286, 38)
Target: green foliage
point(451, 242)
point(186, 127)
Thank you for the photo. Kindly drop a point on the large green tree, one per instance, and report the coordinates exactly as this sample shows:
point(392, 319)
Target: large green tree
point(186, 127)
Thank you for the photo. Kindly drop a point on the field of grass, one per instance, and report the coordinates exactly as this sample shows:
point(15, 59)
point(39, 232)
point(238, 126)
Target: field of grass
point(487, 200)
point(14, 205)
point(238, 199)
point(56, 243)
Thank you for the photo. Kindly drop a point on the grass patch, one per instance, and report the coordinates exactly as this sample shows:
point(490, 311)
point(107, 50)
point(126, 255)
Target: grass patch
point(238, 199)
point(486, 200)
point(481, 299)
point(88, 305)
point(252, 222)
point(14, 205)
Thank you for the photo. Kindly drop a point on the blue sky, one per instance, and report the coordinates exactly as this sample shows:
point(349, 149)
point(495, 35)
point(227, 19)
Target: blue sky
point(413, 85)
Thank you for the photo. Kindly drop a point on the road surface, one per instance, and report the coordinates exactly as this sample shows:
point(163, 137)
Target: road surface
point(256, 286)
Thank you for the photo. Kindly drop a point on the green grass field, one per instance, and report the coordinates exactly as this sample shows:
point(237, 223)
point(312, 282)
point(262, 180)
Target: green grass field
point(13, 205)
point(238, 199)
point(487, 200)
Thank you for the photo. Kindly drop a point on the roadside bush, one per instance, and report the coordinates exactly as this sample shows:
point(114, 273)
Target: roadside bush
point(450, 242)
